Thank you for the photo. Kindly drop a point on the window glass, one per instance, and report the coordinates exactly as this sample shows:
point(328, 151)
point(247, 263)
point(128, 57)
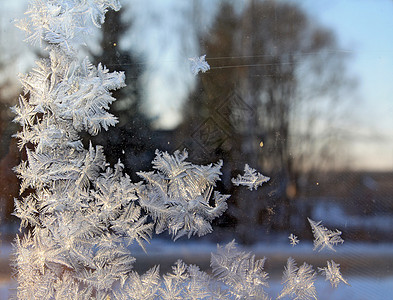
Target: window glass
point(299, 91)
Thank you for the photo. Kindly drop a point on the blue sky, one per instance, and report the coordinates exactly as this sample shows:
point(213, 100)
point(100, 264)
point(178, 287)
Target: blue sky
point(365, 28)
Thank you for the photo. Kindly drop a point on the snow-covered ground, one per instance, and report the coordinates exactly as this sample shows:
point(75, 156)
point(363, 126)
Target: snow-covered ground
point(362, 288)
point(367, 267)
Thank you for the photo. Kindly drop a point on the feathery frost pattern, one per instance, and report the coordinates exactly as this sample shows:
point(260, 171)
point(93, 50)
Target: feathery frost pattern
point(83, 214)
point(64, 22)
point(298, 281)
point(332, 273)
point(243, 275)
point(324, 237)
point(80, 215)
point(178, 194)
point(199, 64)
point(293, 239)
point(251, 178)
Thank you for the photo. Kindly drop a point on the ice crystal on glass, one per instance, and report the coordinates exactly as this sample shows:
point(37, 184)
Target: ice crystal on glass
point(293, 239)
point(64, 22)
point(244, 276)
point(298, 281)
point(324, 237)
point(332, 273)
point(251, 178)
point(177, 194)
point(199, 64)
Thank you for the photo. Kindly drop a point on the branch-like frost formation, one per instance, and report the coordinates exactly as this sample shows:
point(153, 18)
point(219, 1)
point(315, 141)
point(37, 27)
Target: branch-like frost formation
point(251, 178)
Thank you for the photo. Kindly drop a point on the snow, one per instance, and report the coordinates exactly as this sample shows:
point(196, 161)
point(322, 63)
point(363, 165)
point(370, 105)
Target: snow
point(366, 282)
point(362, 288)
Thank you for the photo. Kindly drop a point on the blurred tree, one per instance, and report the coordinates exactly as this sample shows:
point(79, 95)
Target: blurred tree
point(271, 100)
point(131, 139)
point(202, 113)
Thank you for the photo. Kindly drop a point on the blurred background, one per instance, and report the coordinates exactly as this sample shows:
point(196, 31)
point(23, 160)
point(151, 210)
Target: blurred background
point(299, 90)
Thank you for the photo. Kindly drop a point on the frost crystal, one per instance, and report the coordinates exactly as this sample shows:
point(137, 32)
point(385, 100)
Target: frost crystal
point(177, 195)
point(240, 271)
point(293, 239)
point(324, 237)
point(80, 215)
point(251, 178)
point(199, 64)
point(332, 273)
point(298, 281)
point(64, 23)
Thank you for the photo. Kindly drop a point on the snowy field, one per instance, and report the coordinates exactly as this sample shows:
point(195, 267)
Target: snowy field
point(367, 267)
point(362, 288)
